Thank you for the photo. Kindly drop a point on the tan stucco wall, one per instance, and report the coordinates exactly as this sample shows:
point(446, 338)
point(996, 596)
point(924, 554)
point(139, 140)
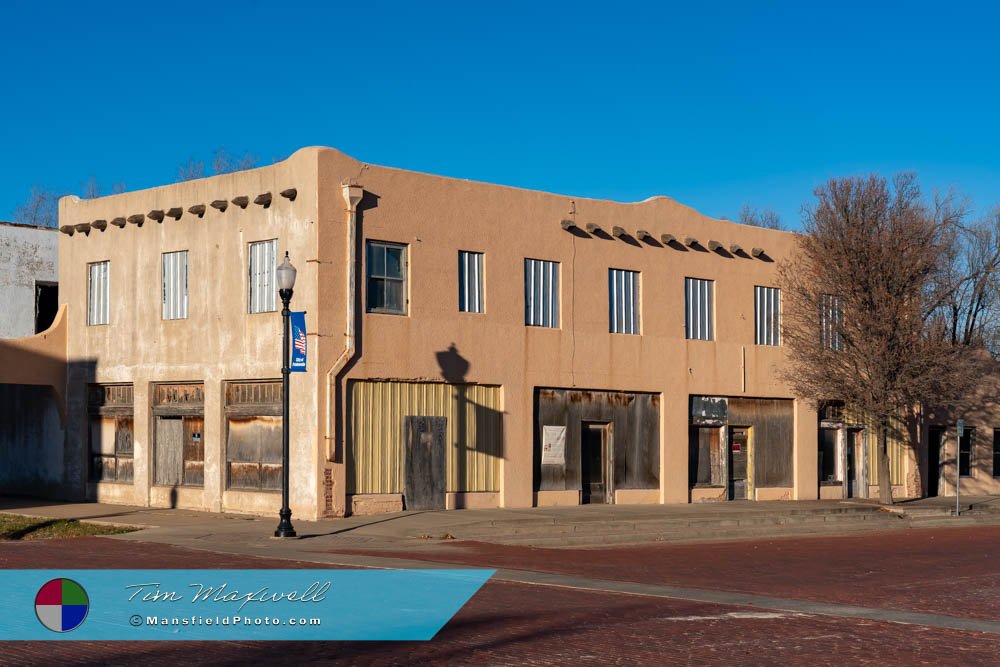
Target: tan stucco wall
point(436, 217)
point(981, 411)
point(218, 341)
point(39, 359)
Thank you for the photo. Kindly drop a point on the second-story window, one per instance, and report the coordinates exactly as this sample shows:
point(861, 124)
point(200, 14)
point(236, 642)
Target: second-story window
point(767, 314)
point(831, 320)
point(699, 302)
point(98, 293)
point(263, 286)
point(541, 293)
point(175, 285)
point(470, 281)
point(623, 301)
point(386, 263)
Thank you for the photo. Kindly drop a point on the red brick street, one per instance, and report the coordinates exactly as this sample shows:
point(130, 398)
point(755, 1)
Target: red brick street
point(952, 572)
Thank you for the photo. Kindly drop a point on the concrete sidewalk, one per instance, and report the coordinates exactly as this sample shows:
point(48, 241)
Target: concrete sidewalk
point(582, 526)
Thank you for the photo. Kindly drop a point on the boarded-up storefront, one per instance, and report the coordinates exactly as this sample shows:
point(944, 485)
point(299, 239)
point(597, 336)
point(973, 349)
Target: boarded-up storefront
point(109, 408)
point(178, 444)
point(596, 442)
point(449, 436)
point(253, 435)
point(740, 448)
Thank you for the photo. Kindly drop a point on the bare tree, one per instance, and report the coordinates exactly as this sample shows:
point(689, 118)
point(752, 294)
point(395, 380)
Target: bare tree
point(92, 189)
point(862, 297)
point(41, 208)
point(765, 217)
point(972, 309)
point(224, 162)
point(191, 170)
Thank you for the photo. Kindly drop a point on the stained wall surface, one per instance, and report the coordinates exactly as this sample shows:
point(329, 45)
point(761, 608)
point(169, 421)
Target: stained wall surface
point(435, 218)
point(28, 255)
point(218, 341)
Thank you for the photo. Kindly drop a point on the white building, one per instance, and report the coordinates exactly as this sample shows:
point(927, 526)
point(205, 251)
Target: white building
point(29, 271)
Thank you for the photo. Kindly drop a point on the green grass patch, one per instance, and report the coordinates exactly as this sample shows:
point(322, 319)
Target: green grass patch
point(13, 527)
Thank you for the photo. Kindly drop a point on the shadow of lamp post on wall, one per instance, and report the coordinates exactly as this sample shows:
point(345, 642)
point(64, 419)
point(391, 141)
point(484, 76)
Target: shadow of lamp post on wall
point(286, 281)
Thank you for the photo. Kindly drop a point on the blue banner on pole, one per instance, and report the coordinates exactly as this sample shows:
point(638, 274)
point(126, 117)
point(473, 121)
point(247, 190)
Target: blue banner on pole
point(320, 604)
point(298, 322)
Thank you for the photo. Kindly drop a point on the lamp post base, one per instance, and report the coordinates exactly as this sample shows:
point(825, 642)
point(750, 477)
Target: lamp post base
point(285, 528)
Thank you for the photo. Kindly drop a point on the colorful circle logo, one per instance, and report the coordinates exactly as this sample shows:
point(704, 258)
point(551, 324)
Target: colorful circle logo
point(61, 605)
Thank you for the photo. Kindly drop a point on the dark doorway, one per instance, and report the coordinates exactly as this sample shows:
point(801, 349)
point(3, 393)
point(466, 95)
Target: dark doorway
point(424, 467)
point(739, 457)
point(935, 438)
point(595, 466)
point(46, 305)
point(850, 476)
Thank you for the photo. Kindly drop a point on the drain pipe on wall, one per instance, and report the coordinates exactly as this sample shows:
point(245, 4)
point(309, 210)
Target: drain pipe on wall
point(352, 196)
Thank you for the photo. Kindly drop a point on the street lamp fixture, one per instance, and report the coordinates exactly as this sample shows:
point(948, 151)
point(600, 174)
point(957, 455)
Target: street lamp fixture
point(286, 281)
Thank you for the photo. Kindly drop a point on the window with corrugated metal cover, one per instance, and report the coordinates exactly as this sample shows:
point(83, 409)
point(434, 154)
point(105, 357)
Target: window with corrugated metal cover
point(767, 310)
point(831, 321)
point(98, 293)
point(175, 285)
point(699, 301)
point(263, 286)
point(386, 264)
point(470, 281)
point(623, 301)
point(541, 293)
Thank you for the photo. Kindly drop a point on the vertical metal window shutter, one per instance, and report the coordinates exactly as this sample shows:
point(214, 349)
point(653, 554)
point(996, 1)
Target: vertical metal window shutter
point(541, 293)
point(623, 301)
point(98, 308)
point(175, 290)
point(478, 282)
point(699, 297)
point(470, 282)
point(262, 266)
point(463, 282)
point(767, 306)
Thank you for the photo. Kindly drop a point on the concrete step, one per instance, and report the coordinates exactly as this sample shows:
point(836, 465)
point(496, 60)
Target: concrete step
point(725, 512)
point(702, 535)
point(660, 525)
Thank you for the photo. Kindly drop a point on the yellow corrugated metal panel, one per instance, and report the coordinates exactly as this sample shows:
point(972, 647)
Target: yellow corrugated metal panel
point(897, 454)
point(897, 449)
point(376, 412)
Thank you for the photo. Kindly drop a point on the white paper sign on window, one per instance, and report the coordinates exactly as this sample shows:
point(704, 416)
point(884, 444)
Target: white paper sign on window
point(554, 445)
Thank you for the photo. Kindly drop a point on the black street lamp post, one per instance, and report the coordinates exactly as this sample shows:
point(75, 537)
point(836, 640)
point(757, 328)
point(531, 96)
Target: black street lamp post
point(286, 281)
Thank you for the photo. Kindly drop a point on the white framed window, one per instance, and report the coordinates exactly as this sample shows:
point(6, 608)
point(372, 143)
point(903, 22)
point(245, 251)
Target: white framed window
point(386, 264)
point(767, 315)
point(470, 281)
point(175, 285)
point(831, 320)
point(623, 301)
point(98, 293)
point(263, 286)
point(541, 293)
point(699, 302)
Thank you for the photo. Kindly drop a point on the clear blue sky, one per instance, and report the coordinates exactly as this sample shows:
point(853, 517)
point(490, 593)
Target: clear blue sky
point(713, 104)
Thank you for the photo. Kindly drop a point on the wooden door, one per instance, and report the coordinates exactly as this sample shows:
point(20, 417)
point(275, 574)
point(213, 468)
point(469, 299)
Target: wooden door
point(169, 447)
point(739, 457)
point(425, 464)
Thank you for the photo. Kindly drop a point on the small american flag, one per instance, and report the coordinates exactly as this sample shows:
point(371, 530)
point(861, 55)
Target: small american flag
point(300, 341)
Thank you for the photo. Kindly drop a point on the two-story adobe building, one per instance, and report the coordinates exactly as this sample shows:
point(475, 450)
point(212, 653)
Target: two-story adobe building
point(470, 345)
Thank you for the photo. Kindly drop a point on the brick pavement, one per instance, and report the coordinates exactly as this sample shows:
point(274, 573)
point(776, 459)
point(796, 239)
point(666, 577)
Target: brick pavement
point(507, 624)
point(954, 571)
